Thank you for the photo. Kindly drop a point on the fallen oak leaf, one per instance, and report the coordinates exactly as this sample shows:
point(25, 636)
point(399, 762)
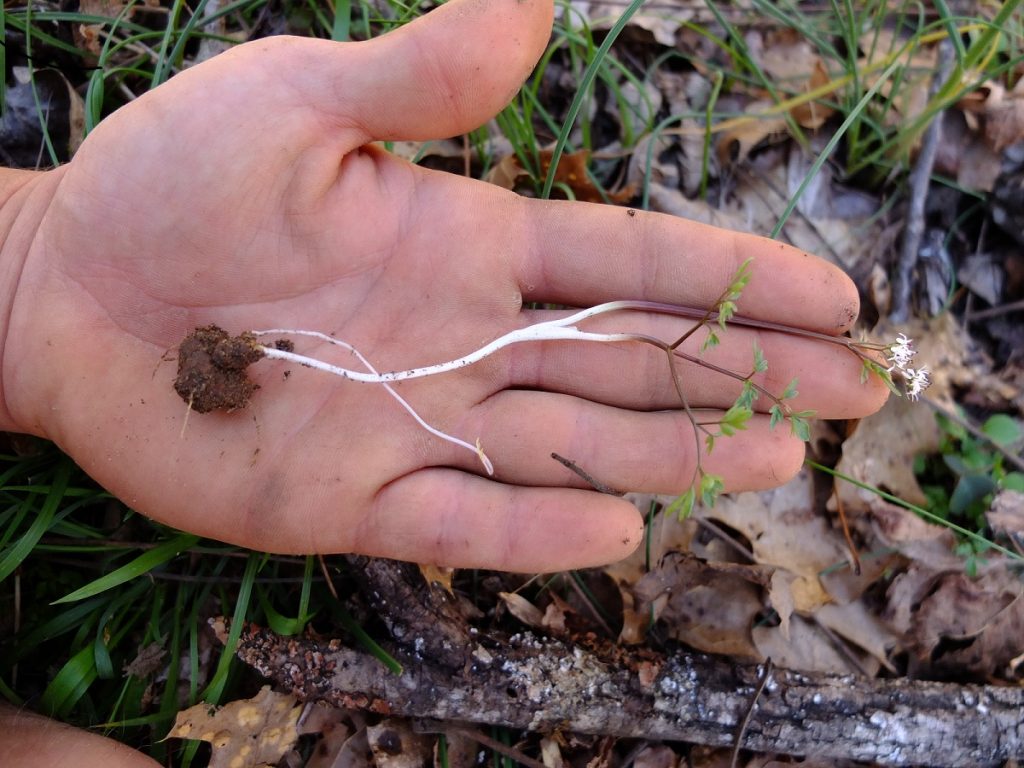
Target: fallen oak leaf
point(243, 734)
point(570, 174)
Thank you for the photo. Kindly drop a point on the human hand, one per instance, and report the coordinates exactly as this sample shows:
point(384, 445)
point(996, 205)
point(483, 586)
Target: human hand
point(244, 193)
point(28, 740)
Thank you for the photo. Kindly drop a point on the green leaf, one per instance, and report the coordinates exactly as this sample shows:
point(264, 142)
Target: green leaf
point(776, 416)
point(760, 363)
point(790, 391)
point(800, 428)
point(710, 342)
point(682, 507)
point(735, 419)
point(726, 310)
point(740, 279)
point(747, 396)
point(141, 565)
point(884, 375)
point(1014, 481)
point(711, 487)
point(709, 442)
point(969, 489)
point(1002, 429)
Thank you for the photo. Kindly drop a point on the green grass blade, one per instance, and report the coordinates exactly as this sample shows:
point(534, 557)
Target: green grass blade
point(583, 89)
point(163, 61)
point(364, 639)
point(215, 689)
point(341, 30)
point(8, 693)
point(929, 516)
point(833, 142)
point(73, 680)
point(66, 621)
point(142, 564)
point(21, 549)
point(44, 123)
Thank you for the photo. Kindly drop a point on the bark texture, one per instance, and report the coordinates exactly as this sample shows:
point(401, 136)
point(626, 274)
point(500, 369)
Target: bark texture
point(543, 684)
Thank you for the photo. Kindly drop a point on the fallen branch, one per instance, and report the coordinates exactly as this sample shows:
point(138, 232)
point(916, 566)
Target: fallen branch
point(543, 684)
point(920, 182)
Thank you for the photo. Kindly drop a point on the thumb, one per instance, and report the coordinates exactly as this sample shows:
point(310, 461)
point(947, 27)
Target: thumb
point(444, 74)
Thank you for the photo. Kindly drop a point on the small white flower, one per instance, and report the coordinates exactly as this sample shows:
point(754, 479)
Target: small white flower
point(917, 381)
point(900, 353)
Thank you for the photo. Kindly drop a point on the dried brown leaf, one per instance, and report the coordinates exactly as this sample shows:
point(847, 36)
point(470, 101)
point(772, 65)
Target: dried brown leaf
point(859, 625)
point(1004, 116)
point(551, 753)
point(506, 173)
point(1006, 517)
point(716, 617)
point(245, 733)
point(734, 145)
point(394, 744)
point(666, 534)
point(808, 647)
point(334, 727)
point(148, 660)
point(956, 625)
point(571, 173)
point(435, 574)
point(786, 531)
point(656, 756)
point(523, 609)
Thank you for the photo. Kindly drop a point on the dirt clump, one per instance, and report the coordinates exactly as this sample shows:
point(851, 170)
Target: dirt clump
point(212, 369)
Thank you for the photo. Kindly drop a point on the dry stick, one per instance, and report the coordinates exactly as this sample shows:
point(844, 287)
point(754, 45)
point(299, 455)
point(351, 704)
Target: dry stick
point(572, 466)
point(765, 675)
point(1002, 309)
point(920, 180)
point(532, 683)
point(847, 536)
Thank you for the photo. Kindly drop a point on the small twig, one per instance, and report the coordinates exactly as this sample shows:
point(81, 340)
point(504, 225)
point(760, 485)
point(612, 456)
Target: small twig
point(766, 674)
point(841, 511)
point(327, 577)
point(710, 526)
point(920, 180)
point(574, 467)
point(1002, 309)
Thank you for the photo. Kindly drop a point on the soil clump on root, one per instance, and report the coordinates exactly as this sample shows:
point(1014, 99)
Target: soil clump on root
point(212, 369)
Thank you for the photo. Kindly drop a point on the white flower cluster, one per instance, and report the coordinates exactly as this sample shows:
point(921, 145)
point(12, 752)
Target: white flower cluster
point(900, 353)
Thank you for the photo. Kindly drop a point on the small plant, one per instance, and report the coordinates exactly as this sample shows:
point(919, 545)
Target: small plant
point(212, 369)
point(961, 480)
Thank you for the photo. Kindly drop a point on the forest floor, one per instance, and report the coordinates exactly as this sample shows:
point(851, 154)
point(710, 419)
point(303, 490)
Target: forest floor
point(896, 553)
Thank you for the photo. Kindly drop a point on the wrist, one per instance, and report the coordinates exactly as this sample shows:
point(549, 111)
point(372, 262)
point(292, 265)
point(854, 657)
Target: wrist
point(24, 199)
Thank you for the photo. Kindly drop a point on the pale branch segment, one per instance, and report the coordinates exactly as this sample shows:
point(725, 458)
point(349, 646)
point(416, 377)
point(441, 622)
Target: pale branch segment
point(545, 685)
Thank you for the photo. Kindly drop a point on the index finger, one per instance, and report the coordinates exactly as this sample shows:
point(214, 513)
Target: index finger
point(582, 254)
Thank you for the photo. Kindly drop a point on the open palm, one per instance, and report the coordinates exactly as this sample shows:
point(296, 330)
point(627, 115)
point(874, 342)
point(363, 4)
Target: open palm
point(244, 192)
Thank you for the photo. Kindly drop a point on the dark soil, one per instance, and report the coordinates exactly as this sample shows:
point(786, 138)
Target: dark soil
point(212, 369)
